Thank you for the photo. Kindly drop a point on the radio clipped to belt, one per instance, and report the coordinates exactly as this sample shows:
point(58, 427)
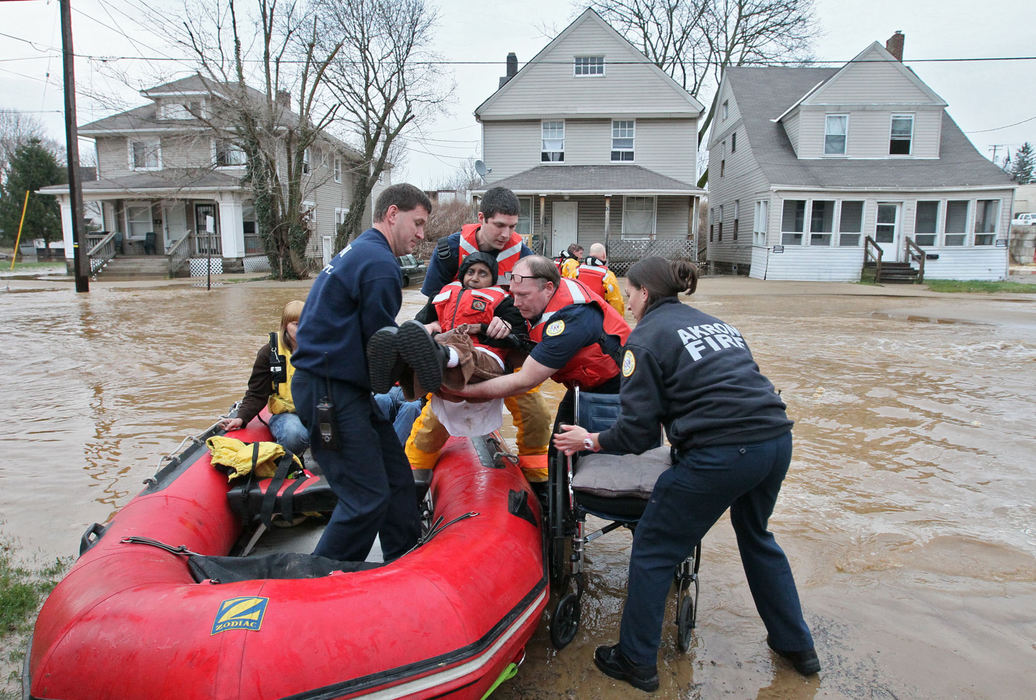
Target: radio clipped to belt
point(278, 363)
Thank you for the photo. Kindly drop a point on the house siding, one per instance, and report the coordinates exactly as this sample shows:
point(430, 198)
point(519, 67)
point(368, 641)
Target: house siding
point(512, 147)
point(869, 132)
point(871, 81)
point(791, 128)
point(547, 87)
point(743, 181)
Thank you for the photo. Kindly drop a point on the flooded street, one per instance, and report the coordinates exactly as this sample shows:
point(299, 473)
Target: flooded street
point(908, 514)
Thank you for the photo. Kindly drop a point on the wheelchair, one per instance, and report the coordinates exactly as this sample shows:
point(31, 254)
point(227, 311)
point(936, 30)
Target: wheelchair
point(615, 488)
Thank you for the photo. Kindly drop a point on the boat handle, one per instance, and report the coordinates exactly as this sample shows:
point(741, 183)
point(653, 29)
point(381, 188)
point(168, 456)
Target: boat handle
point(90, 537)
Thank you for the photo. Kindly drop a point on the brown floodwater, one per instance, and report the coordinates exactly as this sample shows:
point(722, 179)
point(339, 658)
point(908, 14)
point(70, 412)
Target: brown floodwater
point(908, 513)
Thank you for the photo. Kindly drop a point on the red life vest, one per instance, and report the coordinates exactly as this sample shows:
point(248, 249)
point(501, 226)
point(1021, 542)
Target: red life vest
point(455, 305)
point(593, 277)
point(505, 259)
point(591, 366)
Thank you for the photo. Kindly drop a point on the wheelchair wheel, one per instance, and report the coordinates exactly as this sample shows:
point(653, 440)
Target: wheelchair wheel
point(684, 623)
point(565, 622)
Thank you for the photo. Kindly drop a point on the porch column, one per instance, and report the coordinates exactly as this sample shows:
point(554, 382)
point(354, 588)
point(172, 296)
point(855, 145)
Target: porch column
point(543, 223)
point(231, 228)
point(607, 219)
point(66, 231)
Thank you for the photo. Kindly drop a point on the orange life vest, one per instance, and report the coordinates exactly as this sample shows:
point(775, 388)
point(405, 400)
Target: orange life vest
point(591, 366)
point(505, 259)
point(593, 277)
point(455, 305)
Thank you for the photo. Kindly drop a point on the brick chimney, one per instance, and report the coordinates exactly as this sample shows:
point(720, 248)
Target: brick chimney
point(512, 69)
point(895, 45)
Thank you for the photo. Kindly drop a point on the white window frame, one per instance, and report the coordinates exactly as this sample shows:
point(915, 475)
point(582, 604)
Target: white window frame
point(307, 161)
point(336, 172)
point(910, 150)
point(588, 66)
point(827, 133)
point(802, 234)
point(153, 145)
point(138, 204)
point(960, 237)
point(830, 235)
point(525, 223)
point(719, 228)
point(842, 241)
point(639, 235)
point(231, 148)
point(340, 214)
point(545, 153)
point(939, 205)
point(760, 222)
point(617, 152)
point(988, 237)
point(725, 109)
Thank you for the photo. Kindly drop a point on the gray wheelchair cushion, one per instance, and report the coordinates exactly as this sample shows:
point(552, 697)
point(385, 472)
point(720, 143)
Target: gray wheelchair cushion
point(620, 476)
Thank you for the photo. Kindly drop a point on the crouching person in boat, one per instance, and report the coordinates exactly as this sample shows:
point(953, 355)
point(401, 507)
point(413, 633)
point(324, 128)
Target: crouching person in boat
point(270, 385)
point(477, 331)
point(578, 337)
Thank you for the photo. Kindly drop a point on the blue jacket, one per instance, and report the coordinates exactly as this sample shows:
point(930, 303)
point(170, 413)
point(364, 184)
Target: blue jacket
point(440, 274)
point(355, 294)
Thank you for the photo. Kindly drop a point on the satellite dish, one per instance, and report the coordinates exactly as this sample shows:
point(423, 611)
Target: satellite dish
point(481, 169)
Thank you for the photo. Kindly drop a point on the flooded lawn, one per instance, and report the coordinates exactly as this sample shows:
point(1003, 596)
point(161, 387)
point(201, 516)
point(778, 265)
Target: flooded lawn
point(908, 513)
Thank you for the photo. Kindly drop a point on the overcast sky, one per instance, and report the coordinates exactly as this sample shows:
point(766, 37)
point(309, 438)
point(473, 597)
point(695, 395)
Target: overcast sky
point(985, 97)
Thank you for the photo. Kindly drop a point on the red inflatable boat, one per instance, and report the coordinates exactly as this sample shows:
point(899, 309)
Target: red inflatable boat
point(447, 619)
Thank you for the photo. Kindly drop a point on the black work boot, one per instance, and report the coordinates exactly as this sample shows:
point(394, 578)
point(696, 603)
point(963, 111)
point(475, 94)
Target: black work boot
point(424, 356)
point(384, 364)
point(805, 661)
point(614, 663)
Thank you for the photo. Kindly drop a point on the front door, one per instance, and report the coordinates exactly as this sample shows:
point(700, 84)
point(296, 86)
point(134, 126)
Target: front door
point(206, 223)
point(886, 231)
point(565, 229)
point(174, 214)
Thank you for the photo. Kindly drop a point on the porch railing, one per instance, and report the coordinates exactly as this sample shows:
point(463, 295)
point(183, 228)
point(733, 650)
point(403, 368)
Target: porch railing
point(179, 254)
point(102, 253)
point(874, 255)
point(915, 252)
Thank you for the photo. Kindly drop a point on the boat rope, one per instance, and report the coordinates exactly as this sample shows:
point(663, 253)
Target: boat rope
point(182, 549)
point(437, 527)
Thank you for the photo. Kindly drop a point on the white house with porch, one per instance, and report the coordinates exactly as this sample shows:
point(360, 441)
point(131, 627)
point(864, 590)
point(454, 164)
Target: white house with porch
point(169, 186)
point(598, 143)
point(834, 169)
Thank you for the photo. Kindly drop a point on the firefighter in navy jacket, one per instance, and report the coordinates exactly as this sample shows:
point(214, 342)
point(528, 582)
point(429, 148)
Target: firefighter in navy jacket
point(694, 375)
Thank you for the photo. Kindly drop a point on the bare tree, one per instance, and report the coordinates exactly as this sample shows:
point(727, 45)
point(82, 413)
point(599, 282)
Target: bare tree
point(17, 128)
point(385, 78)
point(272, 44)
point(463, 179)
point(695, 40)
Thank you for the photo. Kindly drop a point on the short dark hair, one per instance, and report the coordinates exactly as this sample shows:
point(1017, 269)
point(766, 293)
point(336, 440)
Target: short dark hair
point(404, 196)
point(499, 200)
point(542, 269)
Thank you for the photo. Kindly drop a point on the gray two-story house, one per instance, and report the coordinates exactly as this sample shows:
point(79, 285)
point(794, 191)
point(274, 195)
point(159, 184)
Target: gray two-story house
point(170, 185)
point(814, 171)
point(598, 143)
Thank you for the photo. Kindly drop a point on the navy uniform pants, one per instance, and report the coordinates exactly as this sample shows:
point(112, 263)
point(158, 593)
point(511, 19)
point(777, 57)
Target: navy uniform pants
point(368, 472)
point(687, 500)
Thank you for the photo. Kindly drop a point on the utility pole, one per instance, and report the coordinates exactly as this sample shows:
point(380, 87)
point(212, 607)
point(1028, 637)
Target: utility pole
point(81, 260)
point(994, 148)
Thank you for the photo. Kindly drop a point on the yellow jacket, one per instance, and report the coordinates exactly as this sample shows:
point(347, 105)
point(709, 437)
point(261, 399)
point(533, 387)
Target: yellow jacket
point(236, 457)
point(570, 268)
point(280, 400)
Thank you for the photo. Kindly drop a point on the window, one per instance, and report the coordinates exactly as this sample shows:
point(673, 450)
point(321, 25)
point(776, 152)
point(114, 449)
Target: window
point(252, 242)
point(340, 217)
point(552, 149)
point(138, 220)
point(737, 211)
point(638, 217)
point(229, 154)
point(726, 109)
point(956, 225)
point(836, 127)
point(722, 167)
point(524, 226)
point(719, 229)
point(733, 142)
point(850, 224)
point(306, 162)
point(793, 221)
point(178, 110)
point(622, 139)
point(337, 169)
point(986, 213)
point(588, 65)
point(759, 223)
point(902, 134)
point(821, 222)
point(885, 226)
point(926, 219)
point(145, 154)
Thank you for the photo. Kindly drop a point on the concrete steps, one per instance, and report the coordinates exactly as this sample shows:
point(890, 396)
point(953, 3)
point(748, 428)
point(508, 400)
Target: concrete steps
point(144, 266)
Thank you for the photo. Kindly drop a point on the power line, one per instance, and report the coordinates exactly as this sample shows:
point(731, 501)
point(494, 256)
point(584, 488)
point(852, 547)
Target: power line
point(1007, 126)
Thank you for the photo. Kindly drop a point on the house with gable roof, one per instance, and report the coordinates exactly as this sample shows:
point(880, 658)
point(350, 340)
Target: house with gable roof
point(816, 172)
point(170, 186)
point(598, 143)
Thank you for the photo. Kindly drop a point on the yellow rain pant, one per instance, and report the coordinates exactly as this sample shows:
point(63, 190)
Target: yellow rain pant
point(531, 418)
